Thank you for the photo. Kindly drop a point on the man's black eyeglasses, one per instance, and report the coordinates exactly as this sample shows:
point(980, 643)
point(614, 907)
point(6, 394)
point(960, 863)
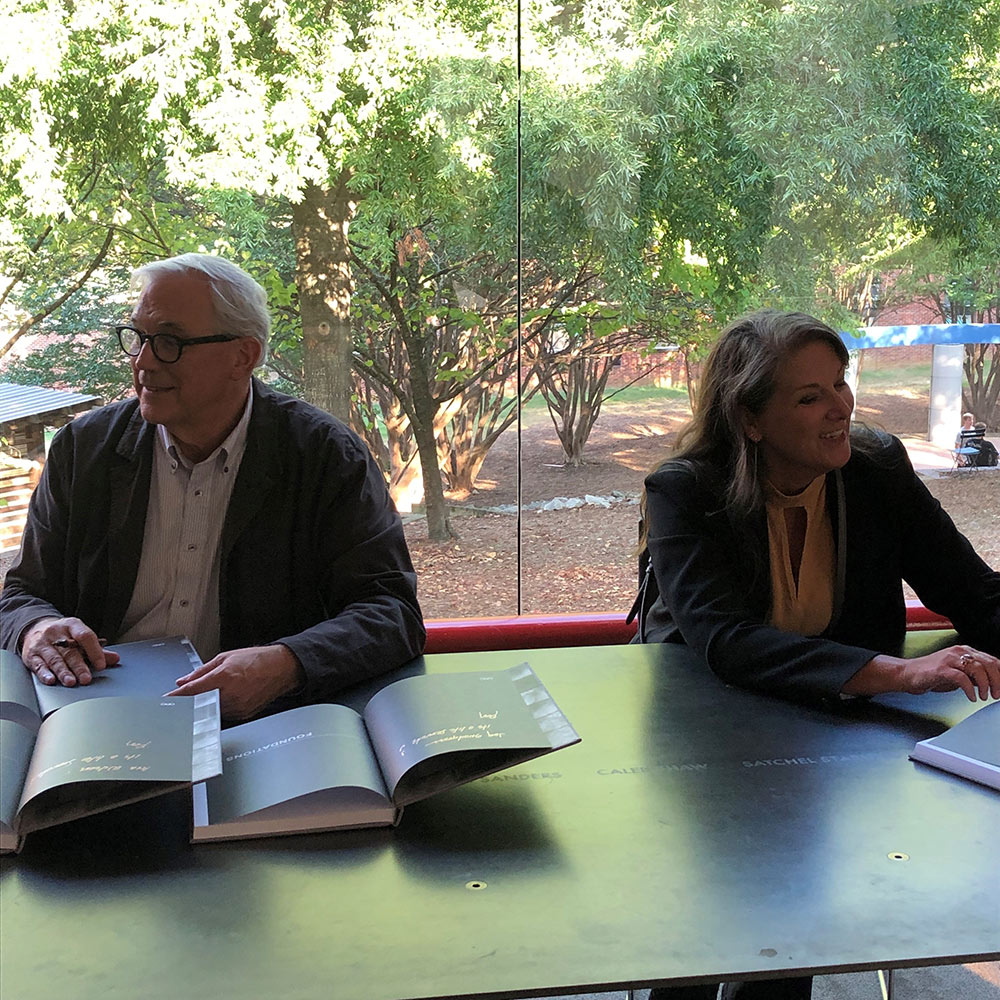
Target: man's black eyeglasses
point(166, 347)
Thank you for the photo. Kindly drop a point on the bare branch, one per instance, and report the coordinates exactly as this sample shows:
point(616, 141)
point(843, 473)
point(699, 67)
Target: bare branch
point(72, 290)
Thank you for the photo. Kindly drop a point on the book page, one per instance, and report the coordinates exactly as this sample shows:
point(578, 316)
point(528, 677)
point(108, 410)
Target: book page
point(206, 736)
point(17, 692)
point(439, 730)
point(16, 744)
point(147, 669)
point(87, 755)
point(283, 757)
point(970, 749)
point(976, 737)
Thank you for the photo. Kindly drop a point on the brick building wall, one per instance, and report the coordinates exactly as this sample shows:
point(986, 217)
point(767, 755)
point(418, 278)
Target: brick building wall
point(663, 369)
point(908, 314)
point(918, 313)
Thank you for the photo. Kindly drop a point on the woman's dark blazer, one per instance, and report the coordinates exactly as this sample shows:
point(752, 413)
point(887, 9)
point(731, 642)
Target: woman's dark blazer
point(714, 583)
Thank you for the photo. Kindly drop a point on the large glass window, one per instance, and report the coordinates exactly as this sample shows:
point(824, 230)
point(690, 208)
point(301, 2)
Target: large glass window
point(499, 238)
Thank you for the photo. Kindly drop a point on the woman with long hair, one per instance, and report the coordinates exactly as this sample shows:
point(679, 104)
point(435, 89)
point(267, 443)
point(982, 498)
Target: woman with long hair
point(778, 539)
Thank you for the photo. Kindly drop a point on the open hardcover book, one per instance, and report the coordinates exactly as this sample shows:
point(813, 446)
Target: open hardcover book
point(326, 767)
point(970, 749)
point(97, 751)
point(146, 668)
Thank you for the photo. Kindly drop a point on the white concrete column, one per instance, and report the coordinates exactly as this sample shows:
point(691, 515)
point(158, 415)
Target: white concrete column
point(853, 372)
point(946, 394)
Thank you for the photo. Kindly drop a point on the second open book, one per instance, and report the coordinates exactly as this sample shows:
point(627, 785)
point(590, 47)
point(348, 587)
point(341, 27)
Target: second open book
point(324, 767)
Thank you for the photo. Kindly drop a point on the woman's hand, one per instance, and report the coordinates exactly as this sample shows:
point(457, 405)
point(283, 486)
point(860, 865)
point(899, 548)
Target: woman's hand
point(975, 672)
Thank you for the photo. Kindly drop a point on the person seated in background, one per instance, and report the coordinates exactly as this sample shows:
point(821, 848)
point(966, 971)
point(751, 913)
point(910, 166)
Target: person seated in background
point(986, 451)
point(778, 540)
point(212, 506)
point(967, 429)
point(968, 436)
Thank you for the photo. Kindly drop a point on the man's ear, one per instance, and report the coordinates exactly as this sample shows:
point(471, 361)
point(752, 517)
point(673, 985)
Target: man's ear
point(249, 351)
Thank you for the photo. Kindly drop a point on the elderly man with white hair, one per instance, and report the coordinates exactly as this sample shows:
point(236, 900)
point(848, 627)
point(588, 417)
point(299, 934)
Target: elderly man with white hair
point(212, 506)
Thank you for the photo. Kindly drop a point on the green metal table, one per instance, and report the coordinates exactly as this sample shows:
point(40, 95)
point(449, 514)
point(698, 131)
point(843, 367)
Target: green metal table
point(698, 832)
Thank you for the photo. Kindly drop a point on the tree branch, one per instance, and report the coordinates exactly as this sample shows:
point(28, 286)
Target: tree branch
point(56, 303)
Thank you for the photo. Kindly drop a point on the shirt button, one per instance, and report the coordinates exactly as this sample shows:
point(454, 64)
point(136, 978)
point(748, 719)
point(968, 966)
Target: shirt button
point(191, 548)
point(197, 493)
point(183, 604)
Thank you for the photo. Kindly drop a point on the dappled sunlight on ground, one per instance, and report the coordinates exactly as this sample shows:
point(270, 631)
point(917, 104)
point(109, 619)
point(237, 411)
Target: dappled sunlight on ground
point(972, 498)
point(906, 393)
point(927, 456)
point(647, 430)
point(639, 460)
point(989, 972)
point(583, 560)
point(483, 485)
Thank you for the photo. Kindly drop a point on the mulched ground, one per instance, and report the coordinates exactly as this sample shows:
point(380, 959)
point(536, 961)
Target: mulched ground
point(583, 560)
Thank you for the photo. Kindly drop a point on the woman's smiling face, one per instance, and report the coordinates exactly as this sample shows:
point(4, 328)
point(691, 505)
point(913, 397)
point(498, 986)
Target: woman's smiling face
point(804, 429)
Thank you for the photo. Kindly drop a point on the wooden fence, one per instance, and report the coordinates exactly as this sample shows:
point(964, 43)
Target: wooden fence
point(18, 478)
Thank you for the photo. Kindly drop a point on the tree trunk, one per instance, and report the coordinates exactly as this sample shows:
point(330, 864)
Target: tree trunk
point(406, 487)
point(467, 437)
point(692, 389)
point(424, 431)
point(377, 410)
point(406, 481)
point(323, 277)
point(465, 457)
point(574, 400)
point(983, 398)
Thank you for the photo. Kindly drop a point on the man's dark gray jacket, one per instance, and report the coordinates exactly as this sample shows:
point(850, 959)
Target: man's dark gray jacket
point(312, 553)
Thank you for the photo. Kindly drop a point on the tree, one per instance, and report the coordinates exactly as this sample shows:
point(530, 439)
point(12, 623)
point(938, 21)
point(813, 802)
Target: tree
point(472, 421)
point(426, 348)
point(574, 358)
point(838, 132)
point(685, 310)
point(788, 149)
point(304, 102)
point(961, 285)
point(330, 109)
point(92, 362)
point(982, 372)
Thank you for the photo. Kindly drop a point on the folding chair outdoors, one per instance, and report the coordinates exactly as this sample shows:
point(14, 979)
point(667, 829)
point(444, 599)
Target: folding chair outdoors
point(968, 445)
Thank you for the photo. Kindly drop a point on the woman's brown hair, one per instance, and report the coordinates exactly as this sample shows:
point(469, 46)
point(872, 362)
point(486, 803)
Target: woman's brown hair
point(739, 377)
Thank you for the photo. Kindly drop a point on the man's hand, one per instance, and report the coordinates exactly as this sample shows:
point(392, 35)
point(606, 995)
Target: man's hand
point(64, 651)
point(975, 672)
point(247, 679)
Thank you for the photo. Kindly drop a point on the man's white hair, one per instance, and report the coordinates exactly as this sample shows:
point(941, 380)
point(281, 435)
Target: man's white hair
point(240, 303)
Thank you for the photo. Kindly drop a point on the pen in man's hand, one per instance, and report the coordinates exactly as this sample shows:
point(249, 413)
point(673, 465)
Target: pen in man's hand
point(73, 644)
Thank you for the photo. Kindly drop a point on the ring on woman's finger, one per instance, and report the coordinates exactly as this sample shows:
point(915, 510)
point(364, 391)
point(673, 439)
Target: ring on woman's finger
point(966, 658)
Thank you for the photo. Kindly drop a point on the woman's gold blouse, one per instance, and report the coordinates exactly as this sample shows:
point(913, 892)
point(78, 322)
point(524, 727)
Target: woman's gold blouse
point(801, 602)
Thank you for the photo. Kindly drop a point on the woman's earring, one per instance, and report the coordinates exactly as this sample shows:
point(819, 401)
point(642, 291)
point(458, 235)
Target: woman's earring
point(755, 453)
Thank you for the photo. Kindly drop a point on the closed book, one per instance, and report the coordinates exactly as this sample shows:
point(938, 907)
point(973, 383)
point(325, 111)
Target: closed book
point(970, 749)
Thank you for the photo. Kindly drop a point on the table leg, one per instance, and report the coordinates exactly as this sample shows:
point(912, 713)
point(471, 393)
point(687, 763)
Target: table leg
point(885, 981)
